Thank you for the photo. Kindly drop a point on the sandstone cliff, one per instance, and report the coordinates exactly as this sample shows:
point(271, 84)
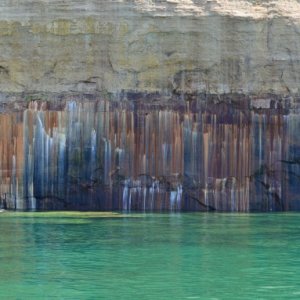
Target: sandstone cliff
point(229, 141)
point(166, 46)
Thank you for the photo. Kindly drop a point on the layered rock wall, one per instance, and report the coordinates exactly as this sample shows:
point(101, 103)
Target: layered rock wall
point(224, 46)
point(104, 155)
point(209, 117)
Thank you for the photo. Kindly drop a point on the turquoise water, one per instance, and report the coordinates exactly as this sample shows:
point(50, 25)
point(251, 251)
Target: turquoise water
point(151, 256)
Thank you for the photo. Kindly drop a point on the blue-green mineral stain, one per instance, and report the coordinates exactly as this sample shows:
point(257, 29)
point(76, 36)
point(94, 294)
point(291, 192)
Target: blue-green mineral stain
point(133, 156)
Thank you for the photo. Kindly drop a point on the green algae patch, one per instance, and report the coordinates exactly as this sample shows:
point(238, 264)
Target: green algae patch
point(68, 214)
point(61, 217)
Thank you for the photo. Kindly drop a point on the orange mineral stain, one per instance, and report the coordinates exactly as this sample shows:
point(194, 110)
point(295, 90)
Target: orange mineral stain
point(101, 155)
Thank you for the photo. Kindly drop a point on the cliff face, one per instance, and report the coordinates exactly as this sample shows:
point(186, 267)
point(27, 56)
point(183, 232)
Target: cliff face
point(209, 117)
point(221, 46)
point(104, 155)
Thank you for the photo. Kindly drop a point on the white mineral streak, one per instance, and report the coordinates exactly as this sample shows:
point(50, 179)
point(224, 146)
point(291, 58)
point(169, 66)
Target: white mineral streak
point(84, 158)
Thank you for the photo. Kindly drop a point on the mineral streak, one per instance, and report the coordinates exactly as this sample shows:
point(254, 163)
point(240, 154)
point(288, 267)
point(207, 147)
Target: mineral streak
point(104, 155)
point(150, 105)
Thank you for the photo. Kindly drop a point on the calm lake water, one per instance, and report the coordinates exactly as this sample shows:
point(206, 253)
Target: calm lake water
point(149, 256)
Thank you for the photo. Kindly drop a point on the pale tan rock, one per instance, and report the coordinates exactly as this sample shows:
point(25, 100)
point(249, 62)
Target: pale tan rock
point(217, 46)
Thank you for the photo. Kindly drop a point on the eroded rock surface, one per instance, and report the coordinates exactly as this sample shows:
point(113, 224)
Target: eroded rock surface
point(104, 155)
point(150, 105)
point(217, 46)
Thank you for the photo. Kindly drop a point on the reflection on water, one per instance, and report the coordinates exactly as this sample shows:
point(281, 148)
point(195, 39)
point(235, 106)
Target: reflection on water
point(101, 155)
point(160, 256)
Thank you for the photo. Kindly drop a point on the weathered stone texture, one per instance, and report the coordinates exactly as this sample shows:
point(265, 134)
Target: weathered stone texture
point(224, 46)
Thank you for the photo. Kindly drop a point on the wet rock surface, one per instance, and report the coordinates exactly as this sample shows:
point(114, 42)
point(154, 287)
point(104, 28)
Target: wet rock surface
point(149, 105)
point(130, 155)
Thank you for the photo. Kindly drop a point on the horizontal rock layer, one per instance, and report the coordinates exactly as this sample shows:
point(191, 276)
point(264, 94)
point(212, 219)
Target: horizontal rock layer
point(180, 46)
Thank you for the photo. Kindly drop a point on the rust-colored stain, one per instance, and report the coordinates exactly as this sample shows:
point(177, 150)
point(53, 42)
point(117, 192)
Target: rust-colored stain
point(101, 155)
